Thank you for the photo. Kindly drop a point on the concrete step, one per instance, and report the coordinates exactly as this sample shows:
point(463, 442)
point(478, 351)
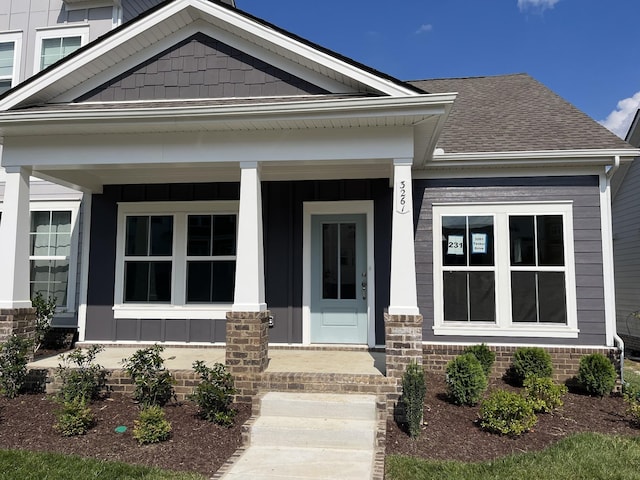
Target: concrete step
point(318, 405)
point(272, 463)
point(312, 432)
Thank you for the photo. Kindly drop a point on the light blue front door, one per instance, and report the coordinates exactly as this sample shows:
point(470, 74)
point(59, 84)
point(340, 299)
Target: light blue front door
point(339, 279)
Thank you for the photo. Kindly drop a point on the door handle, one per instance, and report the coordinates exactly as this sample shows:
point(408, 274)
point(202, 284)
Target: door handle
point(364, 286)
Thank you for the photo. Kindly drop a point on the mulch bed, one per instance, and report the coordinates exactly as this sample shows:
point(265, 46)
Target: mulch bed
point(453, 433)
point(26, 423)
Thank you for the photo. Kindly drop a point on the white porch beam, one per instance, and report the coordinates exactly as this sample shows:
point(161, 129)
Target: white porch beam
point(403, 295)
point(14, 240)
point(249, 288)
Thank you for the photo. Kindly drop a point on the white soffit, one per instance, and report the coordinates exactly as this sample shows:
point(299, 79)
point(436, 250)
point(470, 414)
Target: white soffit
point(151, 29)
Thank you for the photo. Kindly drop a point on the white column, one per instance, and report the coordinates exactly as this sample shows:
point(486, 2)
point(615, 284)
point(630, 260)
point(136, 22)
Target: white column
point(249, 291)
point(14, 240)
point(403, 295)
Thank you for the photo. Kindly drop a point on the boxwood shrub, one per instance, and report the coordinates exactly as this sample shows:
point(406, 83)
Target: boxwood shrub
point(507, 413)
point(530, 361)
point(596, 374)
point(466, 381)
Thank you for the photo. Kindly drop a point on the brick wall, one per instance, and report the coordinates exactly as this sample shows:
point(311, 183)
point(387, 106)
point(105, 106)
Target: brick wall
point(19, 321)
point(566, 360)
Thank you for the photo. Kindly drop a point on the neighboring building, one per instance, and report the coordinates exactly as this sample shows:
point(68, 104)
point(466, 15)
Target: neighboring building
point(626, 244)
point(232, 169)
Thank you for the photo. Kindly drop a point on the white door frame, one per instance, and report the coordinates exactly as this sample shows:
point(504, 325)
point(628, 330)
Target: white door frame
point(364, 207)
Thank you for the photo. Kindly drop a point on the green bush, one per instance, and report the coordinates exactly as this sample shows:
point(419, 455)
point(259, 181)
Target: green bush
point(531, 362)
point(214, 394)
point(596, 374)
point(45, 310)
point(151, 426)
point(485, 356)
point(14, 356)
point(74, 418)
point(153, 383)
point(544, 395)
point(414, 390)
point(507, 413)
point(466, 381)
point(80, 376)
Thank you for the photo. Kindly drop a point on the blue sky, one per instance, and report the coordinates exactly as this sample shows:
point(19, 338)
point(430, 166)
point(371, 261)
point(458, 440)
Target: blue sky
point(584, 50)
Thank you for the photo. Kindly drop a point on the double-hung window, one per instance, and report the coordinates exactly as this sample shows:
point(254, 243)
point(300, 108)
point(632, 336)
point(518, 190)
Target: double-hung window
point(52, 252)
point(504, 270)
point(52, 44)
point(175, 259)
point(10, 44)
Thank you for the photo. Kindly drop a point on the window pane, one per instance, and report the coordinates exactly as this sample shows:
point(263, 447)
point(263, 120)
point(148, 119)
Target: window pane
point(50, 278)
point(550, 240)
point(61, 222)
point(40, 222)
point(70, 44)
point(199, 235)
point(4, 86)
point(455, 296)
point(137, 237)
point(224, 235)
point(199, 282)
point(551, 288)
point(161, 235)
point(480, 241)
point(454, 230)
point(51, 52)
point(522, 240)
point(147, 282)
point(523, 297)
point(482, 299)
point(39, 244)
point(348, 261)
point(330, 260)
point(60, 244)
point(224, 274)
point(6, 59)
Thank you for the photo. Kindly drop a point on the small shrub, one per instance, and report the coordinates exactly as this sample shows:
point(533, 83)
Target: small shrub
point(74, 418)
point(414, 390)
point(596, 374)
point(466, 381)
point(531, 362)
point(14, 356)
point(81, 377)
point(507, 413)
point(544, 395)
point(153, 383)
point(214, 393)
point(151, 426)
point(45, 310)
point(485, 356)
point(632, 398)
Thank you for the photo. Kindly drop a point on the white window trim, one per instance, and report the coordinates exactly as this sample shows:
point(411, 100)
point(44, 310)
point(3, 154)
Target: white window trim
point(16, 38)
point(81, 31)
point(178, 308)
point(74, 208)
point(503, 326)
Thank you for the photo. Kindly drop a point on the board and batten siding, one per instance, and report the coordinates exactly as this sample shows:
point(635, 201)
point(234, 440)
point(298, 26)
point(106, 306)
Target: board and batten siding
point(626, 251)
point(582, 191)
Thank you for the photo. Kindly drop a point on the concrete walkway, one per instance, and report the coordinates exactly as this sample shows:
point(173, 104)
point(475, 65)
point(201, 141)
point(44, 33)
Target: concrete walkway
point(280, 360)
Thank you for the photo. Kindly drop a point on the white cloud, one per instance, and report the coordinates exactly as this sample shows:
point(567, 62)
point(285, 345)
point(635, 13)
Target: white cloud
point(619, 120)
point(536, 4)
point(424, 28)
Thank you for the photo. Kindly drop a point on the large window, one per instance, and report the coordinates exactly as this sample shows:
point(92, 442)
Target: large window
point(175, 260)
point(57, 43)
point(9, 60)
point(504, 269)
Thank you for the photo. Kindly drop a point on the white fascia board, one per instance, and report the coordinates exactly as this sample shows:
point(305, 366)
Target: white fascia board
point(419, 106)
point(227, 16)
point(527, 158)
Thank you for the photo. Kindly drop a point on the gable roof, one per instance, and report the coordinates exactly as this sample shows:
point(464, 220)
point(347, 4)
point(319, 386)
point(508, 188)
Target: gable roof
point(172, 18)
point(514, 113)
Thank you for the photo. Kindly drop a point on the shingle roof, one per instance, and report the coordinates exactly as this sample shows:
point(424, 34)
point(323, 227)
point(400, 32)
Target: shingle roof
point(514, 113)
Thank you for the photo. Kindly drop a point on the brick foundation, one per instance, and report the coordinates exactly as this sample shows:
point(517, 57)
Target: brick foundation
point(247, 349)
point(19, 321)
point(566, 360)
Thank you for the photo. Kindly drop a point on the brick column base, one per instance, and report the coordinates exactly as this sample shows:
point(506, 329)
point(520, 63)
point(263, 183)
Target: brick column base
point(247, 350)
point(18, 321)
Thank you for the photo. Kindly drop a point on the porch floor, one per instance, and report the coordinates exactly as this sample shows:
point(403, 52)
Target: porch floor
point(294, 360)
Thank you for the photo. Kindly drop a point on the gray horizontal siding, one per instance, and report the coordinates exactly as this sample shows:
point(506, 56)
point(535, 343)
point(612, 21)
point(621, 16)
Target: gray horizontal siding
point(582, 191)
point(626, 251)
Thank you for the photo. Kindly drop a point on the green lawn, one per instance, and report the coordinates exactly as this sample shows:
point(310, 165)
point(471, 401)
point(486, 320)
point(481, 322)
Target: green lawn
point(587, 456)
point(23, 465)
